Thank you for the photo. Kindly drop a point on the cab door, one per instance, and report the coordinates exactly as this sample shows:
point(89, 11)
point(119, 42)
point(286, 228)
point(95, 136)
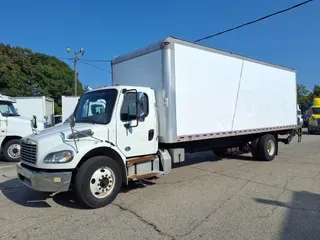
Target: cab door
point(3, 128)
point(136, 123)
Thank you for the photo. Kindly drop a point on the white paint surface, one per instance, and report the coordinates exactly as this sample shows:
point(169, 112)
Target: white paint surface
point(206, 90)
point(29, 106)
point(69, 104)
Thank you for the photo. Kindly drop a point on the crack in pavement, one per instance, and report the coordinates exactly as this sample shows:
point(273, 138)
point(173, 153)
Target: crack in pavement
point(144, 221)
point(184, 180)
point(215, 210)
point(264, 184)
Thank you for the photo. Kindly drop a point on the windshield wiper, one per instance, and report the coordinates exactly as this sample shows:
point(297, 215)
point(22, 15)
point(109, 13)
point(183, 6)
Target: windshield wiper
point(88, 119)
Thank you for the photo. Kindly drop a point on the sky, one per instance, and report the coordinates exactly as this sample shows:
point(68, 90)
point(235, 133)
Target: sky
point(108, 28)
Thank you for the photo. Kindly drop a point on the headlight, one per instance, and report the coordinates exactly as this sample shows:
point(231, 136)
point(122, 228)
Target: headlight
point(59, 157)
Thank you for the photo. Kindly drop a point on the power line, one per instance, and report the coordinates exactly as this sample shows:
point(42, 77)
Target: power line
point(102, 60)
point(88, 60)
point(95, 66)
point(254, 21)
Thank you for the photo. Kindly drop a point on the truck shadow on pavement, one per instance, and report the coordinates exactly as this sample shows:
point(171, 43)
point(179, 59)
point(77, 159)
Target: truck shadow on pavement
point(16, 192)
point(192, 159)
point(302, 215)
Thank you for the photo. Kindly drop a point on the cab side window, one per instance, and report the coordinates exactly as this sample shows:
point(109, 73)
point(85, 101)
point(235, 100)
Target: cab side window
point(128, 109)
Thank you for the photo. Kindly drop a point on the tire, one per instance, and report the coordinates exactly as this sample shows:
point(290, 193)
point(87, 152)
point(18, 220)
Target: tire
point(267, 147)
point(255, 149)
point(98, 182)
point(11, 151)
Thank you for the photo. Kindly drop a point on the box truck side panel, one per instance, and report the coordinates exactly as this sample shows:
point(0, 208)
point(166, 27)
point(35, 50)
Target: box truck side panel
point(266, 99)
point(69, 104)
point(144, 71)
point(49, 109)
point(206, 90)
point(27, 107)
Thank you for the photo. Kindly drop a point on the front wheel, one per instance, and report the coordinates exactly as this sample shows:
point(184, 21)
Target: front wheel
point(98, 182)
point(11, 151)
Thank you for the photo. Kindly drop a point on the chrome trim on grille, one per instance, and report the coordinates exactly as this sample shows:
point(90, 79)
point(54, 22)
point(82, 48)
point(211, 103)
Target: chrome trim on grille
point(28, 151)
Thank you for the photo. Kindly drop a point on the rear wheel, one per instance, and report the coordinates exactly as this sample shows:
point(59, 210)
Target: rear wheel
point(11, 151)
point(98, 182)
point(267, 147)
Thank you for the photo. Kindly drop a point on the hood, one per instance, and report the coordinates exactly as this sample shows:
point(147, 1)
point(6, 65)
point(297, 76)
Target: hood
point(23, 119)
point(62, 129)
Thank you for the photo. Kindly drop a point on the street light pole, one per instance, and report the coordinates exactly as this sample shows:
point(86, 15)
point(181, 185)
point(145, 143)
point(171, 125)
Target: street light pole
point(75, 60)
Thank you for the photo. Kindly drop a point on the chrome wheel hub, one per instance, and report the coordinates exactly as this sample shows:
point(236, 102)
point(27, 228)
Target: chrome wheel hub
point(14, 151)
point(271, 147)
point(102, 182)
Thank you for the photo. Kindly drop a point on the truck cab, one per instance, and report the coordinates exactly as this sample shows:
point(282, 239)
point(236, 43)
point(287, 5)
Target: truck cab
point(314, 116)
point(110, 130)
point(12, 128)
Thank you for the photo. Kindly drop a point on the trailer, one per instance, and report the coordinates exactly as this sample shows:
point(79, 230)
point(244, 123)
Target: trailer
point(40, 106)
point(165, 101)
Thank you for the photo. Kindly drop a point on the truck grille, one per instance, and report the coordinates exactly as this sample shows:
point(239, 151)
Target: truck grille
point(28, 152)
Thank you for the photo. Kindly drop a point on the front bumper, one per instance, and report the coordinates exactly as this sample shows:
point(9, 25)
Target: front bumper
point(44, 181)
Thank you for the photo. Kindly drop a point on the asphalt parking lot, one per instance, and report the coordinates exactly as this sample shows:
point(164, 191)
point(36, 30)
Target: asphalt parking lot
point(212, 199)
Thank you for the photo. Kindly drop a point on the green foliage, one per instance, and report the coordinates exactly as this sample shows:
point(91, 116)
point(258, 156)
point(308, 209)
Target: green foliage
point(305, 96)
point(24, 73)
point(316, 91)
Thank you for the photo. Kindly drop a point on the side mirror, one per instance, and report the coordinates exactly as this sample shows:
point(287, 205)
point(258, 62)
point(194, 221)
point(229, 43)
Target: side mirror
point(72, 121)
point(34, 122)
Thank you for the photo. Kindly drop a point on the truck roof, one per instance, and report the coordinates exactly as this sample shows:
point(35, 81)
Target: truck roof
point(4, 98)
point(159, 45)
point(117, 87)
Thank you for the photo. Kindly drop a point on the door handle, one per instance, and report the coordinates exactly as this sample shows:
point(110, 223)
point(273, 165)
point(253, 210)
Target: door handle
point(151, 134)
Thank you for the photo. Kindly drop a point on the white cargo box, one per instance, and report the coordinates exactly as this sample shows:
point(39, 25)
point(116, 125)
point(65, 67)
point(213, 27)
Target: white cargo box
point(40, 106)
point(205, 93)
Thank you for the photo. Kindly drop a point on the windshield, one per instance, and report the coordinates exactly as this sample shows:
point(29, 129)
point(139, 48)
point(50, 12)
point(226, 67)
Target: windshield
point(315, 110)
point(96, 107)
point(8, 110)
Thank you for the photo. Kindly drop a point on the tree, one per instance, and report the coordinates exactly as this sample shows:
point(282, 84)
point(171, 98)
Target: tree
point(24, 73)
point(303, 96)
point(316, 91)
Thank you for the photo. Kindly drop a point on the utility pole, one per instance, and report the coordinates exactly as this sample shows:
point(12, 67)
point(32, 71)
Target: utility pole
point(75, 60)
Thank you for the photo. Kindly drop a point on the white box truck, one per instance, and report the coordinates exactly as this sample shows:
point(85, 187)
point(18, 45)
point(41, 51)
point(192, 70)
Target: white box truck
point(167, 99)
point(13, 127)
point(40, 106)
